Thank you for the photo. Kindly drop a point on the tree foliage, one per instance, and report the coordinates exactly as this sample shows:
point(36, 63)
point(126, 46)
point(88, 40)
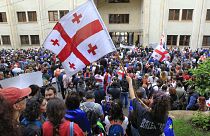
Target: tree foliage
point(201, 77)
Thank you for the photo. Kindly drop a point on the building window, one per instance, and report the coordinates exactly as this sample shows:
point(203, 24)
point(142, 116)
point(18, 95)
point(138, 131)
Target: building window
point(184, 40)
point(172, 39)
point(53, 15)
point(118, 1)
point(187, 14)
point(206, 41)
point(5, 39)
point(34, 39)
point(3, 17)
point(24, 39)
point(32, 17)
point(63, 13)
point(174, 14)
point(119, 18)
point(21, 16)
point(208, 15)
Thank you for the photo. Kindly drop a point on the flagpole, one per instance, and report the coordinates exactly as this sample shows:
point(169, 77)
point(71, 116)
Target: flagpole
point(122, 64)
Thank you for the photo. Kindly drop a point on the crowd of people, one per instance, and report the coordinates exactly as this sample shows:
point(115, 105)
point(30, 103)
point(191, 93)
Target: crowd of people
point(93, 101)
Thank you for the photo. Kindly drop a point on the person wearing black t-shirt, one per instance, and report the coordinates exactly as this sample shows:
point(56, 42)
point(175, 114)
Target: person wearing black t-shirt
point(150, 121)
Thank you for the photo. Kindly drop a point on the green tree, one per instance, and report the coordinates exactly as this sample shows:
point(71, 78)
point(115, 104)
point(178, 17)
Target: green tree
point(201, 77)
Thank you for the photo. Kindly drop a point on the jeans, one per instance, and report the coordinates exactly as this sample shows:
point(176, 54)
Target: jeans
point(124, 95)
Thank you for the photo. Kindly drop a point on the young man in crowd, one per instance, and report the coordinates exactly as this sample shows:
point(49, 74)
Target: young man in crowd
point(50, 92)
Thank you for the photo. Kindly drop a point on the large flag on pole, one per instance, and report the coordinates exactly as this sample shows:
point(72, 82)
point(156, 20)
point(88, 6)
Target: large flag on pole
point(160, 54)
point(163, 41)
point(80, 38)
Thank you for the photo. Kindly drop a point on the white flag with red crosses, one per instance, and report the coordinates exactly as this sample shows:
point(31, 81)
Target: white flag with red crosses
point(80, 38)
point(160, 54)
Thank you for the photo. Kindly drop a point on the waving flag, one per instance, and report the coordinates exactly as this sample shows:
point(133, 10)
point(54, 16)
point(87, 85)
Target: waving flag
point(79, 38)
point(163, 41)
point(160, 54)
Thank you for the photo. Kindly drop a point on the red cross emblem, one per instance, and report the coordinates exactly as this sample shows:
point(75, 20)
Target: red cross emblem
point(55, 42)
point(76, 18)
point(80, 36)
point(162, 54)
point(72, 65)
point(92, 49)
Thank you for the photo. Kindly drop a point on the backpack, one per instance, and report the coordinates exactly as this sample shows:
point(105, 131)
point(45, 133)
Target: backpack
point(91, 114)
point(116, 130)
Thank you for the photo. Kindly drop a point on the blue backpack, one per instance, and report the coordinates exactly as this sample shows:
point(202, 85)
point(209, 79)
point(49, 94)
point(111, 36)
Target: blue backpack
point(116, 130)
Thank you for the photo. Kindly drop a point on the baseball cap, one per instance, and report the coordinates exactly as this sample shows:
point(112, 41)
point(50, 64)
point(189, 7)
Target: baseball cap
point(13, 94)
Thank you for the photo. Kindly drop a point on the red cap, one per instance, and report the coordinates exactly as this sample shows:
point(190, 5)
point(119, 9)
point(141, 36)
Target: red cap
point(13, 94)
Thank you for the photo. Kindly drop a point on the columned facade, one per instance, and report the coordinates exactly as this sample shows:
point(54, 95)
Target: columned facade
point(26, 24)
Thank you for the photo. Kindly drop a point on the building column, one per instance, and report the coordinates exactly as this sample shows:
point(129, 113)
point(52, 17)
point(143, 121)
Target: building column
point(15, 43)
point(197, 21)
point(146, 22)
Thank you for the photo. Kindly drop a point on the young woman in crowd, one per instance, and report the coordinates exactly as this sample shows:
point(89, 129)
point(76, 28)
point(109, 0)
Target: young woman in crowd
point(116, 116)
point(56, 124)
point(32, 116)
point(151, 120)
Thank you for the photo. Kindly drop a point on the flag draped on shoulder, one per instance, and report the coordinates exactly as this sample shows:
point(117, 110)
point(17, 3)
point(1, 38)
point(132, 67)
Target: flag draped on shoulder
point(80, 38)
point(160, 54)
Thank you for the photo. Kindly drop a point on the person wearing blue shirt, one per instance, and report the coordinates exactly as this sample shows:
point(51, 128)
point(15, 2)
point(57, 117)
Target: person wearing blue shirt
point(75, 114)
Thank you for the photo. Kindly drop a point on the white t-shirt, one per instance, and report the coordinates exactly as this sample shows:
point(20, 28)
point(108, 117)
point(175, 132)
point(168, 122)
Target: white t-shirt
point(108, 124)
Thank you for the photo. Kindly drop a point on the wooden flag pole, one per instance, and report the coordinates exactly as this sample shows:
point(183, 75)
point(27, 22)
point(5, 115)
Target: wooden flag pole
point(122, 64)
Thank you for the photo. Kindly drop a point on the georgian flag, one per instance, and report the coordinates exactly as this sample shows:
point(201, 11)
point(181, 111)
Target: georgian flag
point(160, 54)
point(79, 38)
point(163, 41)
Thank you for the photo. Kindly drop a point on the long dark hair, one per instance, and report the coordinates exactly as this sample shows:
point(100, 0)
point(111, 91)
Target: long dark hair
point(55, 113)
point(32, 111)
point(160, 107)
point(8, 126)
point(116, 111)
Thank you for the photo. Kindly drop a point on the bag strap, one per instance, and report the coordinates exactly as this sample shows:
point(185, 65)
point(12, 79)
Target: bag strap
point(181, 96)
point(71, 128)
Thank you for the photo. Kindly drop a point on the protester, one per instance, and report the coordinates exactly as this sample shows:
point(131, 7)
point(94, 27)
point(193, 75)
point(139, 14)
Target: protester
point(116, 118)
point(150, 121)
point(75, 114)
point(35, 90)
point(192, 100)
point(7, 127)
point(124, 92)
point(93, 111)
point(90, 104)
point(114, 89)
point(50, 92)
point(99, 93)
point(17, 101)
point(32, 117)
point(57, 125)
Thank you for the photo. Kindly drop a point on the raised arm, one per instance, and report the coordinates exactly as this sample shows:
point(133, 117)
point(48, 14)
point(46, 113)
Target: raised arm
point(131, 90)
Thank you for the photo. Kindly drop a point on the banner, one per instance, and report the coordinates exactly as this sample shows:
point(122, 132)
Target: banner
point(23, 80)
point(127, 47)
